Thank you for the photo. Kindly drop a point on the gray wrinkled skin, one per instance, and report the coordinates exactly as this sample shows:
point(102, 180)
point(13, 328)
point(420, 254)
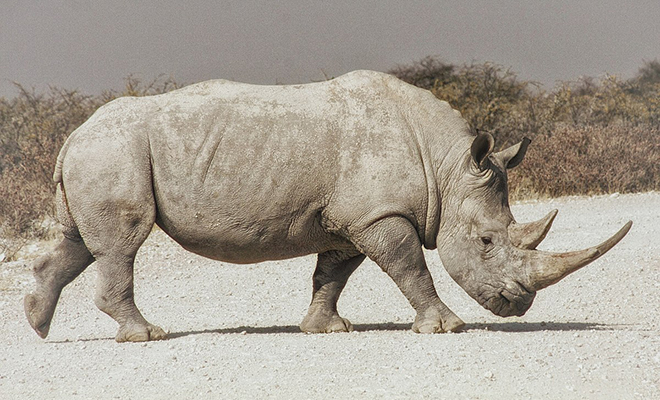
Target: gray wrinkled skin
point(361, 166)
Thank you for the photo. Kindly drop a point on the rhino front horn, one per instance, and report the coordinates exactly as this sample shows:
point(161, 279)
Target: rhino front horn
point(546, 269)
point(529, 235)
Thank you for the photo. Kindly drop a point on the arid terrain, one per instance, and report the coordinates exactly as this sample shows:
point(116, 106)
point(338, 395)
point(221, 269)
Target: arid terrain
point(234, 329)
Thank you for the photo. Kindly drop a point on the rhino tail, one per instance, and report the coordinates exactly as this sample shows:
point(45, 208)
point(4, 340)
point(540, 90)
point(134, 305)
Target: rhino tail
point(69, 227)
point(57, 175)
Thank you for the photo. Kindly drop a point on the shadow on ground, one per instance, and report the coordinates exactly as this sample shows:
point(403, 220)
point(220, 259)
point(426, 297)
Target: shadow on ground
point(542, 326)
point(513, 327)
point(391, 326)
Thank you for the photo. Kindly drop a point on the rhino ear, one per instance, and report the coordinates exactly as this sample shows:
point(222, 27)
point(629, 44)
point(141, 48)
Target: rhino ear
point(512, 156)
point(482, 146)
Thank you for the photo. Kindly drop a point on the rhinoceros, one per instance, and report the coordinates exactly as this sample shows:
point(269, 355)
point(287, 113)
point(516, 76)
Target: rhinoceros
point(363, 165)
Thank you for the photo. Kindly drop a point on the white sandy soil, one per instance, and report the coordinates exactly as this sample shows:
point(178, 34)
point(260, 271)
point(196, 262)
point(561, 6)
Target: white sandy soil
point(234, 329)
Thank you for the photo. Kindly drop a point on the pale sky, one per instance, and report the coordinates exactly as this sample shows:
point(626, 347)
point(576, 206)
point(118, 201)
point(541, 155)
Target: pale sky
point(92, 45)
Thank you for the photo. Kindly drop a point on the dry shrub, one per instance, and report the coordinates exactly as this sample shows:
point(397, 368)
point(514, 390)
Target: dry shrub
point(589, 160)
point(427, 73)
point(589, 136)
point(492, 98)
point(33, 128)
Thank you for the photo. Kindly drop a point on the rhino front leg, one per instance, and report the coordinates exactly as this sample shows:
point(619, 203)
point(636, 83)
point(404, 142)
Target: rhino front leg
point(333, 269)
point(394, 245)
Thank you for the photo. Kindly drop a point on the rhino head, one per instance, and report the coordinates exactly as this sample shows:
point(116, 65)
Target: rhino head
point(484, 250)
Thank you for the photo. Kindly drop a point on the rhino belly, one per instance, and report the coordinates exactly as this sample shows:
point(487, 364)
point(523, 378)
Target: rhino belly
point(240, 236)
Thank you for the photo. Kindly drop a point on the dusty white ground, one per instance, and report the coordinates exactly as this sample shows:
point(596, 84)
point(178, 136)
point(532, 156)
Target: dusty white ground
point(234, 328)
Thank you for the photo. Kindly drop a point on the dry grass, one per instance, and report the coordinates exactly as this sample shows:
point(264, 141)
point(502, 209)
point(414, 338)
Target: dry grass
point(589, 160)
point(33, 128)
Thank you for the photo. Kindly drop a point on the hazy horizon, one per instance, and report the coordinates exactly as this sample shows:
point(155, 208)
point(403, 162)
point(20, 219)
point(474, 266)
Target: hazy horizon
point(93, 45)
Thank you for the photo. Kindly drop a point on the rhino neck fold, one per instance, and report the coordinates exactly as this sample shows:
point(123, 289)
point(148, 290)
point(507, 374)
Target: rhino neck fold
point(449, 160)
point(431, 220)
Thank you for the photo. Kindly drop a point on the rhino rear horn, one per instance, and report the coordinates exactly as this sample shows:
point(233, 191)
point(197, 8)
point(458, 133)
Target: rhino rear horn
point(529, 235)
point(547, 269)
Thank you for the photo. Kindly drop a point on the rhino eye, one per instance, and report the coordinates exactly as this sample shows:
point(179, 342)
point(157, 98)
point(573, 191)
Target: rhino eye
point(486, 240)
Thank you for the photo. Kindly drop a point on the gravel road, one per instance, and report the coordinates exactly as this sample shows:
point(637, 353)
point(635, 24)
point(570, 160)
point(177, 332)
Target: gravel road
point(234, 329)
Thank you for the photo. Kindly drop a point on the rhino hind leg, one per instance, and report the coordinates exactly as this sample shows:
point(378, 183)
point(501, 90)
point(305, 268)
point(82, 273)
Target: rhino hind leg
point(113, 228)
point(393, 244)
point(115, 297)
point(131, 223)
point(333, 269)
point(52, 273)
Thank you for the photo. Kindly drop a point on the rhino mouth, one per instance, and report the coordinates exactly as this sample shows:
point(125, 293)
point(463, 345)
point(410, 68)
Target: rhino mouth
point(512, 300)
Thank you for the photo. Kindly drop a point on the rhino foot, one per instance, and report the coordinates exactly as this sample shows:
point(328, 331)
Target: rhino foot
point(39, 312)
point(140, 333)
point(435, 323)
point(325, 324)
